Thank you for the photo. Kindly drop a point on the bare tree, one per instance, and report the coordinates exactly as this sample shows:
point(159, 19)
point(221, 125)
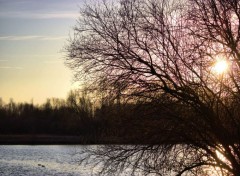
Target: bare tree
point(165, 48)
point(81, 104)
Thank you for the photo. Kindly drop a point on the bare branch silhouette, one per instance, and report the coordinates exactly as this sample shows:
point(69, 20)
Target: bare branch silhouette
point(164, 48)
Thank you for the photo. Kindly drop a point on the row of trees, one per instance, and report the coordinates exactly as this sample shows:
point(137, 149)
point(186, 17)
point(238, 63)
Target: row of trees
point(162, 51)
point(55, 116)
point(106, 120)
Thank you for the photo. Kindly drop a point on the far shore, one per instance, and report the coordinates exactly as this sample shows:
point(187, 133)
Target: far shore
point(43, 140)
point(48, 139)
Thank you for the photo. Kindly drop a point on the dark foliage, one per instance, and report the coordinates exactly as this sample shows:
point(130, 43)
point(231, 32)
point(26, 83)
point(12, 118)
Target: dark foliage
point(111, 123)
point(55, 117)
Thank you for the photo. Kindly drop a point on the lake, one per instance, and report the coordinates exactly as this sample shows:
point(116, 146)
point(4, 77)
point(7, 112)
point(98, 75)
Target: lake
point(42, 160)
point(49, 160)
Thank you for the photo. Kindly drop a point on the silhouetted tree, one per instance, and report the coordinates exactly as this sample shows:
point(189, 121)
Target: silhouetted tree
point(55, 116)
point(164, 51)
point(80, 103)
point(1, 102)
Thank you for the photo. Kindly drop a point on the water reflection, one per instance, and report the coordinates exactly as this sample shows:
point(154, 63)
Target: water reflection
point(60, 160)
point(41, 161)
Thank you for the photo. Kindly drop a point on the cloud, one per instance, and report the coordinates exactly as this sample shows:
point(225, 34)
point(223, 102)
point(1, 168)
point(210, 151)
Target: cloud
point(52, 62)
point(44, 9)
point(31, 37)
point(41, 55)
point(55, 15)
point(14, 68)
point(33, 15)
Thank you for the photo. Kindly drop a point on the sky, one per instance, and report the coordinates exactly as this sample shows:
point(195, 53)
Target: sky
point(33, 34)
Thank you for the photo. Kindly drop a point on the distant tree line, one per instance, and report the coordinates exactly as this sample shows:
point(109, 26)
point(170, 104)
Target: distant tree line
point(56, 116)
point(104, 120)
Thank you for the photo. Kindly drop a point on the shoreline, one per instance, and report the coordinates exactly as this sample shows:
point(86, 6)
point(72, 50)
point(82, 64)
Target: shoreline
point(44, 140)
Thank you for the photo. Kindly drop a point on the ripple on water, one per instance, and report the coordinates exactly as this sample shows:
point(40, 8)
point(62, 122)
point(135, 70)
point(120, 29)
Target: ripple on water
point(41, 161)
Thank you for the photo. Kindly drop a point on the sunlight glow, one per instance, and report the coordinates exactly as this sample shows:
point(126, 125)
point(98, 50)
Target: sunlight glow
point(221, 156)
point(215, 170)
point(220, 66)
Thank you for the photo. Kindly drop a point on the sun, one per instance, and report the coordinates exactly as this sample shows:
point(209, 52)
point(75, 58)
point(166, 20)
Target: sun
point(220, 66)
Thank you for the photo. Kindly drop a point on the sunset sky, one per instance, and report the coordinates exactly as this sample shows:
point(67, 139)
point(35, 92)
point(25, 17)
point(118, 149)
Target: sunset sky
point(32, 37)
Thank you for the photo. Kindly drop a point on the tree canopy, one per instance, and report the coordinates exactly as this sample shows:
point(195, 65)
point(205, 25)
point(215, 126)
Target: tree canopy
point(166, 51)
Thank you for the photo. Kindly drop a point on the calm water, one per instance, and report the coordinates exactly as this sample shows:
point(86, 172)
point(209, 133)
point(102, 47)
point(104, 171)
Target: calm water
point(44, 160)
point(48, 160)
